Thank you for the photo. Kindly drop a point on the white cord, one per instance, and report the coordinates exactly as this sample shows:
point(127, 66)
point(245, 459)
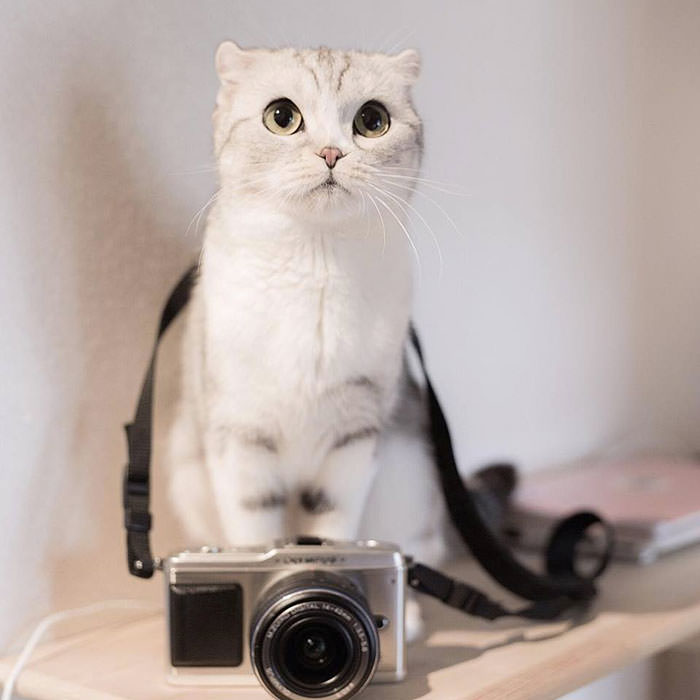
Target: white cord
point(51, 620)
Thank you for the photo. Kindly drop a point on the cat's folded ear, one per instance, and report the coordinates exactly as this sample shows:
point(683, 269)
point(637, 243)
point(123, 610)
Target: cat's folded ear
point(408, 64)
point(230, 60)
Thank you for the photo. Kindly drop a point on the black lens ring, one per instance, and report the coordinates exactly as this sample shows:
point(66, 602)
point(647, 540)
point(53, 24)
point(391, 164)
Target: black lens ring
point(333, 603)
point(281, 685)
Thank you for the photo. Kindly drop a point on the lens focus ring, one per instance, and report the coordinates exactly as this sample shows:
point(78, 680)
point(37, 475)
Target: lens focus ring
point(314, 643)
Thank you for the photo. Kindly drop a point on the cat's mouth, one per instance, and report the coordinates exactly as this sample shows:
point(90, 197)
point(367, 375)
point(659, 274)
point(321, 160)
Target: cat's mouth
point(330, 185)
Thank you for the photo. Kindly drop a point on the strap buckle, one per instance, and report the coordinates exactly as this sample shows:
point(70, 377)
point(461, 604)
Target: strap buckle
point(133, 485)
point(463, 597)
point(137, 520)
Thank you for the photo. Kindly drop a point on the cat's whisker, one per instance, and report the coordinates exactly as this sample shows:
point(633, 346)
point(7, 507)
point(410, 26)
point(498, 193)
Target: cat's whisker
point(202, 171)
point(200, 259)
point(364, 213)
point(405, 230)
point(248, 182)
point(387, 38)
point(381, 219)
point(415, 181)
point(391, 37)
point(426, 183)
point(392, 166)
point(434, 184)
point(398, 44)
point(368, 226)
point(245, 185)
point(196, 170)
point(409, 172)
point(435, 204)
point(281, 194)
point(200, 212)
point(204, 212)
point(404, 202)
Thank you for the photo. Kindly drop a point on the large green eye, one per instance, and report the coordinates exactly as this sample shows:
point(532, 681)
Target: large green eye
point(282, 117)
point(372, 120)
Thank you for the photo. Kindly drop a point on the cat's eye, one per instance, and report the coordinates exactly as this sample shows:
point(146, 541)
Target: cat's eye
point(372, 120)
point(282, 117)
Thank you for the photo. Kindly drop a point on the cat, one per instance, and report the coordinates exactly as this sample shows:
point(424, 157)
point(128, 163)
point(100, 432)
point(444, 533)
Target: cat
point(299, 411)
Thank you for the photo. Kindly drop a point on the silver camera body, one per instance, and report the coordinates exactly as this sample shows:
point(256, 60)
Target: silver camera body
point(304, 617)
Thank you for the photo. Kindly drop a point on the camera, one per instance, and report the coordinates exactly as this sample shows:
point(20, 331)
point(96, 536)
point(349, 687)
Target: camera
point(307, 618)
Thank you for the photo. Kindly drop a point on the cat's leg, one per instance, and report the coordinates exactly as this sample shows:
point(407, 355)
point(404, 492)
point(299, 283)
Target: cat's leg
point(406, 506)
point(427, 548)
point(189, 489)
point(414, 624)
point(249, 494)
point(188, 481)
point(332, 506)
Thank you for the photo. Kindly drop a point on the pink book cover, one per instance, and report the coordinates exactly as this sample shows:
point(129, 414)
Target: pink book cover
point(652, 495)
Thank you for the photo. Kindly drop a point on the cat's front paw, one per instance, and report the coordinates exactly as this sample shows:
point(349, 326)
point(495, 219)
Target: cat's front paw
point(414, 620)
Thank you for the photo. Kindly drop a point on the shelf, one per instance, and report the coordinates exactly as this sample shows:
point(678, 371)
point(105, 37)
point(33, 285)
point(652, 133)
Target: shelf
point(642, 610)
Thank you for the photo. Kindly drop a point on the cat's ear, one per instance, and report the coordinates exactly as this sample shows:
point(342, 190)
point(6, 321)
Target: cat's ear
point(408, 64)
point(230, 59)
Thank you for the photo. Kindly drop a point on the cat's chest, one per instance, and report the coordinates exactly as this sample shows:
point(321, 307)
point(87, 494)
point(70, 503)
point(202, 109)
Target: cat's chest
point(294, 335)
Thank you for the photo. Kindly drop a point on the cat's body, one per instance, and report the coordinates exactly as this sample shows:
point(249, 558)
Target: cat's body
point(298, 414)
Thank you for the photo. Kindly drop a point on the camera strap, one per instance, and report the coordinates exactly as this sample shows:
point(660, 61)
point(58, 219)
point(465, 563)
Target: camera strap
point(137, 475)
point(560, 589)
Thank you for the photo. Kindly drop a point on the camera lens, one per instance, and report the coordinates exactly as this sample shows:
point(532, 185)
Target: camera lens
point(313, 637)
point(314, 647)
point(314, 652)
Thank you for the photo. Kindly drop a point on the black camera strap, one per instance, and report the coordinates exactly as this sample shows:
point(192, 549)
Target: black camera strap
point(560, 589)
point(137, 475)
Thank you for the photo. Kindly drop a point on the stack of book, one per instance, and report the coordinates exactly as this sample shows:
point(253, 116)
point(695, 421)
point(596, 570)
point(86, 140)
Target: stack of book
point(653, 504)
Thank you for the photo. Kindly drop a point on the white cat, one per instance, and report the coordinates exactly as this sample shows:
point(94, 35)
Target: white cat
point(298, 414)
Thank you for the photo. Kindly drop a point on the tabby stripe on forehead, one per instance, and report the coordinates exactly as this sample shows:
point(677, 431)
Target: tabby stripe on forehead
point(324, 53)
point(311, 70)
point(343, 70)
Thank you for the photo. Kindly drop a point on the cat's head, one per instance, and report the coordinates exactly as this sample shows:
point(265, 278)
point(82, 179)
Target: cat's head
point(316, 130)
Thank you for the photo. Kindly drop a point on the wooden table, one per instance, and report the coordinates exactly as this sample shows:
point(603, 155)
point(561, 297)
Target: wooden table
point(642, 610)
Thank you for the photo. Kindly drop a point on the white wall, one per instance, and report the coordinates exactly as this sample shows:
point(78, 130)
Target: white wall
point(566, 316)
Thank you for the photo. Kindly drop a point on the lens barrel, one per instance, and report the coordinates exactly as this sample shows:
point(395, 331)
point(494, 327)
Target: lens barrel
point(313, 636)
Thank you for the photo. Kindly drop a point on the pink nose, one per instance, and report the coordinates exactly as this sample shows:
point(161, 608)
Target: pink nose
point(331, 155)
